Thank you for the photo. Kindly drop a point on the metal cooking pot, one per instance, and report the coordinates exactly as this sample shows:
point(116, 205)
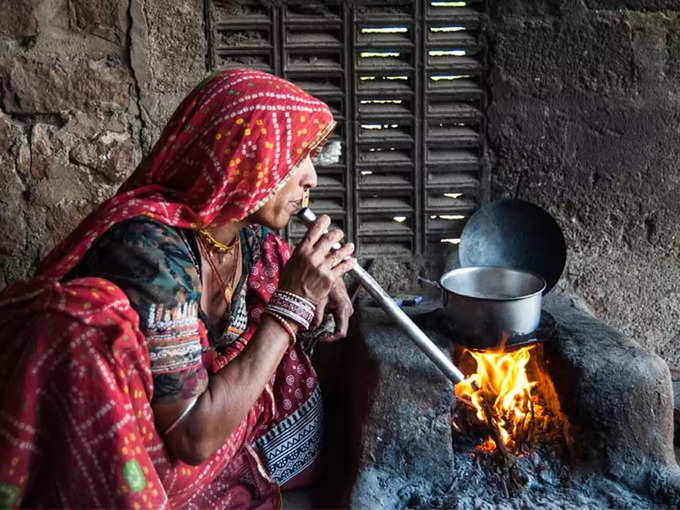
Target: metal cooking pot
point(487, 305)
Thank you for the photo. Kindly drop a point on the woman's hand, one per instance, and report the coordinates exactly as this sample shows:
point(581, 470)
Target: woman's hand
point(339, 303)
point(312, 269)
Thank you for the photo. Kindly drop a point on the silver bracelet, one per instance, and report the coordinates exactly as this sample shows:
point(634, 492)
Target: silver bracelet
point(298, 297)
point(290, 305)
point(301, 321)
point(186, 411)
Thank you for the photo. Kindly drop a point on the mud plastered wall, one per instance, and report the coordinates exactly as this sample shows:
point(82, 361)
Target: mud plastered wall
point(86, 86)
point(584, 120)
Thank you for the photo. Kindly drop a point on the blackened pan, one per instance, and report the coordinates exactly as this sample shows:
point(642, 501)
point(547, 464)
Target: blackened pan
point(514, 234)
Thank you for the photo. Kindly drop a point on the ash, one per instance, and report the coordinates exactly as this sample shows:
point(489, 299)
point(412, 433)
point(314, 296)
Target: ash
point(542, 478)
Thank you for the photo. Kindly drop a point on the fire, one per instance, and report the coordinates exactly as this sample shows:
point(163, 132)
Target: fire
point(501, 393)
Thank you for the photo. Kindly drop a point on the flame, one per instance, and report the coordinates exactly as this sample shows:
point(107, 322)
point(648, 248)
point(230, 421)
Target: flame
point(487, 446)
point(501, 394)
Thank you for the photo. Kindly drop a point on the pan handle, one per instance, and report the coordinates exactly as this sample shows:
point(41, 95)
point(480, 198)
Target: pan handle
point(392, 309)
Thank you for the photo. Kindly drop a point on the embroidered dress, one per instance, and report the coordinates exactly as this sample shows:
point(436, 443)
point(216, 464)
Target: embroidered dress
point(83, 355)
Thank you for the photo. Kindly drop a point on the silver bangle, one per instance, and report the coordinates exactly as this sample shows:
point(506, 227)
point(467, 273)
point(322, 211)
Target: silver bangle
point(186, 411)
point(298, 297)
point(301, 321)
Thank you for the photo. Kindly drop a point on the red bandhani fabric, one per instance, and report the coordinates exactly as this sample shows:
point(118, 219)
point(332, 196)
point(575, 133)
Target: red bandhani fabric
point(76, 425)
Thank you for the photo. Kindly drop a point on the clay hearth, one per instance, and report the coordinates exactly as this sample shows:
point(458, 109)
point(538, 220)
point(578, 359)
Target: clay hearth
point(617, 397)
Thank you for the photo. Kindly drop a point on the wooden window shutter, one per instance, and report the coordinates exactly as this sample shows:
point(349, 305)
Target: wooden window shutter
point(404, 81)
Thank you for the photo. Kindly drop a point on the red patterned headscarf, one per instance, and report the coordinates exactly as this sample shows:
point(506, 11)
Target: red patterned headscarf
point(228, 148)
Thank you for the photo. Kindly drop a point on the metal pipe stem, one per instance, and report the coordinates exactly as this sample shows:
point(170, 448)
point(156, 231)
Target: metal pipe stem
point(392, 309)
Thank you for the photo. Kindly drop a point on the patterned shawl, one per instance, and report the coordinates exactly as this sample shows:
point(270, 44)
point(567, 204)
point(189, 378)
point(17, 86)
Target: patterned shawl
point(73, 363)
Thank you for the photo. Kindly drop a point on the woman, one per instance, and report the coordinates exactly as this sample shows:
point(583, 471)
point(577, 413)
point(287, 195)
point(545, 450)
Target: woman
point(153, 360)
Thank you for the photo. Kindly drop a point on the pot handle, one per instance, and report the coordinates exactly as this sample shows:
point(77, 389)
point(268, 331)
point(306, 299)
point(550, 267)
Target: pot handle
point(445, 295)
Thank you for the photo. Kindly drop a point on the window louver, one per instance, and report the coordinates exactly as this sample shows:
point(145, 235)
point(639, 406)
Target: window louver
point(404, 81)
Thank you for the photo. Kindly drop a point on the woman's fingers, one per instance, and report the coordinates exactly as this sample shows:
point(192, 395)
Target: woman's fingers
point(312, 268)
point(319, 313)
point(337, 256)
point(344, 266)
point(342, 313)
point(325, 243)
point(316, 231)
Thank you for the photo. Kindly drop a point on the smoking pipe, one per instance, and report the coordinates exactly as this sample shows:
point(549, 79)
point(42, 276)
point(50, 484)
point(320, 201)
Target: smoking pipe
point(392, 309)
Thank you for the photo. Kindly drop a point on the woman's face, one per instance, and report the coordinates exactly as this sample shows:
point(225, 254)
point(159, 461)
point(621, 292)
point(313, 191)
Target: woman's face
point(276, 212)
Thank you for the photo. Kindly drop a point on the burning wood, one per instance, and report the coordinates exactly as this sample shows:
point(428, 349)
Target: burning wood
point(510, 396)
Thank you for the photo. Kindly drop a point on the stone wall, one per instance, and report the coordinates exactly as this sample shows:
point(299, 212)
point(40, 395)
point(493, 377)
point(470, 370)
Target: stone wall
point(85, 87)
point(584, 119)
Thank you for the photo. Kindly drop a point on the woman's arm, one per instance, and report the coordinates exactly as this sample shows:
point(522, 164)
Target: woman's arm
point(233, 390)
point(230, 394)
